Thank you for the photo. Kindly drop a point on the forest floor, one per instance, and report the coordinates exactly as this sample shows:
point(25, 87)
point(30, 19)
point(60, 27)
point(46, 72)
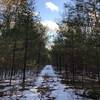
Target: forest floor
point(46, 86)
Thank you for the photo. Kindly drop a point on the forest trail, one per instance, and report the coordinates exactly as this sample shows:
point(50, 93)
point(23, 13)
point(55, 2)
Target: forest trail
point(47, 86)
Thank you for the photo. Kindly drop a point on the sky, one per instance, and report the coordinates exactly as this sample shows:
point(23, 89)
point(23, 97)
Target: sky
point(50, 11)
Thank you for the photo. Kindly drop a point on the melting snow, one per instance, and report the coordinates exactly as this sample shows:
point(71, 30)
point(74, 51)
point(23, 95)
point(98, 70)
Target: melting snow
point(47, 78)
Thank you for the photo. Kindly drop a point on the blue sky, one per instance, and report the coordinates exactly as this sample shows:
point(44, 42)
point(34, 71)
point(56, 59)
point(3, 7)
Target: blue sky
point(50, 12)
point(47, 12)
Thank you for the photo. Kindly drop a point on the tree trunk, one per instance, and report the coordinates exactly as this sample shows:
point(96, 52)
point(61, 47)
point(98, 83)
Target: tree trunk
point(13, 61)
point(38, 62)
point(25, 63)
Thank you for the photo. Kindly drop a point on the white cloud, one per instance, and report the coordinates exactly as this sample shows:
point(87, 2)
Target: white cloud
point(35, 13)
point(51, 32)
point(52, 6)
point(51, 25)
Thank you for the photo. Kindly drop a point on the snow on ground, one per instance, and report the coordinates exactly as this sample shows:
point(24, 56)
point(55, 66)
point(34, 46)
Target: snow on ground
point(59, 91)
point(47, 87)
point(48, 70)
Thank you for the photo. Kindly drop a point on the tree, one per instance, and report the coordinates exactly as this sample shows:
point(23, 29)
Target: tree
point(79, 38)
point(26, 30)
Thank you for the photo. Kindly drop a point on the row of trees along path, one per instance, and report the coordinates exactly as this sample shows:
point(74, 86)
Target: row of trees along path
point(76, 52)
point(22, 40)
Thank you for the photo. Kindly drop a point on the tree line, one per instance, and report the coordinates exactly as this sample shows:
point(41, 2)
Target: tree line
point(22, 40)
point(76, 50)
